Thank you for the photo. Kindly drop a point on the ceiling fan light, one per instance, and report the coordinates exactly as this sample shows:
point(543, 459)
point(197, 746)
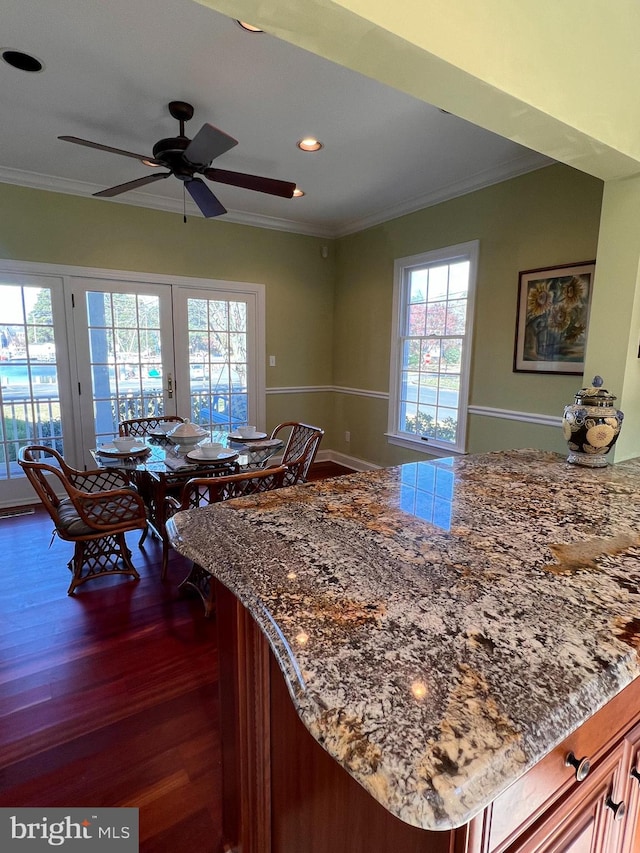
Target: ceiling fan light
point(298, 193)
point(309, 143)
point(249, 27)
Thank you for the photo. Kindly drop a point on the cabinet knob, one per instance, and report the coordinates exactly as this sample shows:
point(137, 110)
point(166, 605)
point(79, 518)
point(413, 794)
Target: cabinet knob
point(619, 809)
point(635, 774)
point(582, 766)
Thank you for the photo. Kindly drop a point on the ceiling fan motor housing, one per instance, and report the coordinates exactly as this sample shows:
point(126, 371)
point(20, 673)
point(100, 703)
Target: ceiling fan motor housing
point(169, 152)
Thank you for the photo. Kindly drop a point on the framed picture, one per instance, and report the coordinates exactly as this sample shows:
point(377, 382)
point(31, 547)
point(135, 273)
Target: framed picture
point(553, 318)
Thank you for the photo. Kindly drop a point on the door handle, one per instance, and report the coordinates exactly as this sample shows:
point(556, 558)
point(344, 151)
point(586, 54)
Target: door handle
point(169, 386)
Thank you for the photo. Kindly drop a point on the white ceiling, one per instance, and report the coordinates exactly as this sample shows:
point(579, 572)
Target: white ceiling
point(111, 68)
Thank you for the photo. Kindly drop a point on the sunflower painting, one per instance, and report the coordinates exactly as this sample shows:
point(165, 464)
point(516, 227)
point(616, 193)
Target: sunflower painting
point(553, 318)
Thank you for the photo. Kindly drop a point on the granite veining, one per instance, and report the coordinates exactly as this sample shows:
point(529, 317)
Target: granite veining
point(441, 625)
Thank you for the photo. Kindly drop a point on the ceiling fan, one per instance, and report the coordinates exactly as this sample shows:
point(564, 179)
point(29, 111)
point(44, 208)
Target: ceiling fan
point(185, 158)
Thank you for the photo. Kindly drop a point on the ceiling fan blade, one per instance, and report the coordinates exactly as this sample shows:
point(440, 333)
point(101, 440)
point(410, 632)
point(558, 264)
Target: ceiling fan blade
point(109, 149)
point(251, 182)
point(204, 198)
point(207, 144)
point(132, 185)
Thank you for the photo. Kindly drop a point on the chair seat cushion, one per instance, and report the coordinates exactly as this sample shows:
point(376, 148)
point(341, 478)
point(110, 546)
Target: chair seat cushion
point(70, 521)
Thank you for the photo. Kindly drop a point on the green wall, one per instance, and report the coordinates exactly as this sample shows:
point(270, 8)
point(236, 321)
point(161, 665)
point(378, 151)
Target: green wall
point(328, 320)
point(53, 228)
point(544, 218)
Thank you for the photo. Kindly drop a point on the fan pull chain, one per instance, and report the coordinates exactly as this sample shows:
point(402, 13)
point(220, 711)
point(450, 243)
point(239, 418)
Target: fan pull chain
point(184, 205)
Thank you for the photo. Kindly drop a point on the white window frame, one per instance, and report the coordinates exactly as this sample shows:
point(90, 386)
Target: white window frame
point(402, 271)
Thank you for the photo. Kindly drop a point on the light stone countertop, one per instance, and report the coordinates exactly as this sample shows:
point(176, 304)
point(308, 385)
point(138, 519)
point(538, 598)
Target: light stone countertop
point(441, 625)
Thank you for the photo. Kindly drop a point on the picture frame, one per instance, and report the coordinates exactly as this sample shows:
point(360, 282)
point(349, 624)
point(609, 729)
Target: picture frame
point(553, 318)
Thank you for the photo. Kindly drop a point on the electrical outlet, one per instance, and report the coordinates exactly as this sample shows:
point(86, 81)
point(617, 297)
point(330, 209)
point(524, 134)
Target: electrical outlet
point(347, 436)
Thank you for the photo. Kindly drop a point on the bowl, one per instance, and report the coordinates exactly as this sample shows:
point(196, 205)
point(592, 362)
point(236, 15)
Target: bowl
point(211, 449)
point(125, 442)
point(247, 431)
point(166, 426)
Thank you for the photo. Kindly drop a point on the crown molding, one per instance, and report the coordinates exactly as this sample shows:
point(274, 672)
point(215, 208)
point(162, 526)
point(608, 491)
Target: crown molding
point(34, 180)
point(528, 162)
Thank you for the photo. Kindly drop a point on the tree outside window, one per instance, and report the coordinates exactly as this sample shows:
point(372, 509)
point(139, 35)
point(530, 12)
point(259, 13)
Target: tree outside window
point(433, 311)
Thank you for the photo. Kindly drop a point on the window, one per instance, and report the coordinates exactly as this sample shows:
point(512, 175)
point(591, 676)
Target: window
point(431, 349)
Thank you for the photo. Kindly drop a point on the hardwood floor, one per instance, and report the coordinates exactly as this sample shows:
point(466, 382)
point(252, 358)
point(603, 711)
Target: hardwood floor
point(109, 697)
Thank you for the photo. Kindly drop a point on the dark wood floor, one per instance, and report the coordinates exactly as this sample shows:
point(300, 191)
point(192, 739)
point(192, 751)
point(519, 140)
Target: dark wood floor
point(109, 697)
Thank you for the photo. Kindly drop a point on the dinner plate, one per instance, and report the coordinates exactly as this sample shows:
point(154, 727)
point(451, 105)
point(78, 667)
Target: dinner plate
point(157, 433)
point(198, 456)
point(112, 450)
point(257, 436)
point(264, 445)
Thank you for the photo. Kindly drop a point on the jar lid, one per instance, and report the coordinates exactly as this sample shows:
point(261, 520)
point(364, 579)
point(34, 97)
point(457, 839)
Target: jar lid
point(595, 394)
point(187, 428)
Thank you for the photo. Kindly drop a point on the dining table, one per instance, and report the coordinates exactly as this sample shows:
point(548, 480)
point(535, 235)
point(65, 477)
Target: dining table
point(158, 467)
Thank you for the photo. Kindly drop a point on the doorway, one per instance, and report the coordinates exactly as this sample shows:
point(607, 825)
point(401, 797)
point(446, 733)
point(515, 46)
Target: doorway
point(93, 347)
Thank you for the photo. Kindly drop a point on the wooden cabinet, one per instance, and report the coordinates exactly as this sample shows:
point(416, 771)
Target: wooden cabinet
point(549, 811)
point(631, 840)
point(583, 822)
point(283, 793)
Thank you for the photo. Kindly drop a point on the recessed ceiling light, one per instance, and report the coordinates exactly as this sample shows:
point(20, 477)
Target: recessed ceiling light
point(22, 61)
point(298, 193)
point(310, 143)
point(249, 27)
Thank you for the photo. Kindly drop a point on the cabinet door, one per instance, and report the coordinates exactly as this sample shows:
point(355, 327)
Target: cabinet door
point(585, 821)
point(631, 842)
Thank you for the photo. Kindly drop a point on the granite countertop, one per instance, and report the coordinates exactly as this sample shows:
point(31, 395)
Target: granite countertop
point(441, 625)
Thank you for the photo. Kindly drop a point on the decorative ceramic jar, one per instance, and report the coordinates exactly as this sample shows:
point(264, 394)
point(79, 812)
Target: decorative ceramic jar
point(591, 425)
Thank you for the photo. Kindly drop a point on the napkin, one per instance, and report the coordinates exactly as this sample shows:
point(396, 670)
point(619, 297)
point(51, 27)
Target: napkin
point(176, 463)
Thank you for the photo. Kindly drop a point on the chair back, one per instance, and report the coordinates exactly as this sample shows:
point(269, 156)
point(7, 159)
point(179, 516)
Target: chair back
point(139, 427)
point(300, 449)
point(301, 445)
point(30, 460)
point(202, 491)
point(298, 468)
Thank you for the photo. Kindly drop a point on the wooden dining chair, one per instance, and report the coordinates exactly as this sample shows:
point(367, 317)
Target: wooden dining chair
point(140, 427)
point(92, 509)
point(302, 443)
point(203, 491)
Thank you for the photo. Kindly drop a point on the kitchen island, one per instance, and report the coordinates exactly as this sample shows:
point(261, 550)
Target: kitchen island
point(442, 628)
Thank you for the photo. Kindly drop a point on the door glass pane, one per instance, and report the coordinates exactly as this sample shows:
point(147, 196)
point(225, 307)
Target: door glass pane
point(218, 362)
point(29, 395)
point(126, 358)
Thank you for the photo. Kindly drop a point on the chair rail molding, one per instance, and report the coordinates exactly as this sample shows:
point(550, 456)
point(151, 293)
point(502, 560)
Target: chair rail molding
point(338, 389)
point(481, 411)
point(510, 415)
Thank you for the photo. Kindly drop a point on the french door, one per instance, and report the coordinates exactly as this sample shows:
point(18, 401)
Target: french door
point(35, 380)
point(117, 346)
point(124, 348)
point(216, 358)
point(158, 349)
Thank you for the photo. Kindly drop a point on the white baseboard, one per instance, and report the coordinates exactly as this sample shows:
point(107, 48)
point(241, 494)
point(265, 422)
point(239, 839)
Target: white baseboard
point(8, 504)
point(347, 461)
